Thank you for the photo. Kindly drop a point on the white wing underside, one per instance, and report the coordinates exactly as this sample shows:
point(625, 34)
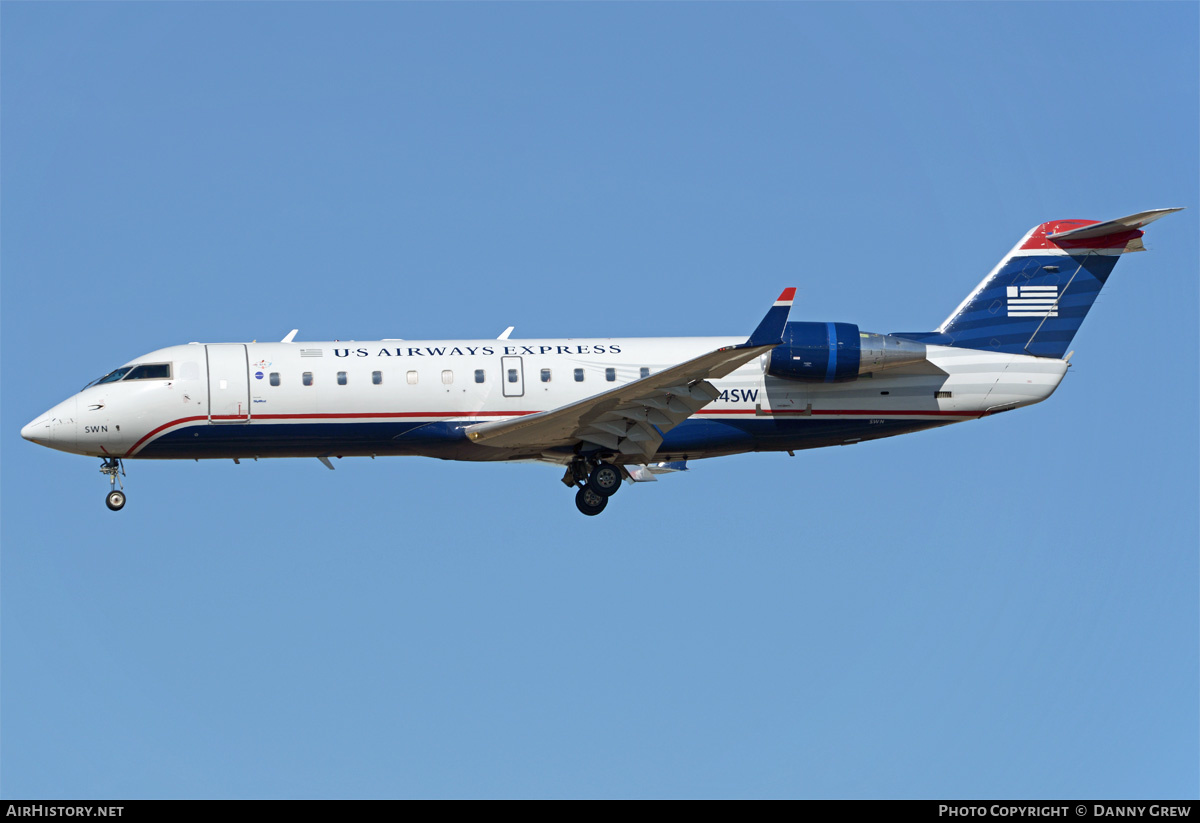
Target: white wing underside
point(630, 419)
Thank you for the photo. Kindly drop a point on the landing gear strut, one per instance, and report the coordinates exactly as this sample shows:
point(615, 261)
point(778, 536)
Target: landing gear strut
point(597, 481)
point(115, 471)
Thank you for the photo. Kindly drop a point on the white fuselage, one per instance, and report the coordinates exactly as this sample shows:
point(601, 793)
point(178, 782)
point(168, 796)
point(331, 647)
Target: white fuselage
point(415, 397)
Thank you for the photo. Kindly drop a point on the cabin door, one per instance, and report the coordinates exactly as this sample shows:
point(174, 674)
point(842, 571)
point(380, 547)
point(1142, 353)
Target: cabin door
point(512, 375)
point(228, 383)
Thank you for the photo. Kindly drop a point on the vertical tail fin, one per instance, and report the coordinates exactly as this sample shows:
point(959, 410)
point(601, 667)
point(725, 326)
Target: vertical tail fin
point(1035, 300)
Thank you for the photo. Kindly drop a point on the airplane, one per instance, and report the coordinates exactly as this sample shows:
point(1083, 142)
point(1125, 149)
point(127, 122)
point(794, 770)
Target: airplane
point(608, 411)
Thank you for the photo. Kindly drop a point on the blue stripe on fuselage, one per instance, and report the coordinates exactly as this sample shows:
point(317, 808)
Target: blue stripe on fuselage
point(694, 436)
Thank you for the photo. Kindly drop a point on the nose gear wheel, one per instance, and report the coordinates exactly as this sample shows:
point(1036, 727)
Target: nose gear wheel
point(112, 466)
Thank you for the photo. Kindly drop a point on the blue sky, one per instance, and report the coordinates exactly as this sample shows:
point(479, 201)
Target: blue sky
point(1002, 608)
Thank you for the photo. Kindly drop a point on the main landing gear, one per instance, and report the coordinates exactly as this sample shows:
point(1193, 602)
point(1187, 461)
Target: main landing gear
point(597, 481)
point(115, 471)
point(589, 501)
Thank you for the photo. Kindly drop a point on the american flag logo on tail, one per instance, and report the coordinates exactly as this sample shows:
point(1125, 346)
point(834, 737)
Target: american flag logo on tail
point(1033, 301)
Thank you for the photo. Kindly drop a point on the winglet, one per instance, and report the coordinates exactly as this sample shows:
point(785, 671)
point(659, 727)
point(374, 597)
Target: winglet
point(770, 330)
point(290, 336)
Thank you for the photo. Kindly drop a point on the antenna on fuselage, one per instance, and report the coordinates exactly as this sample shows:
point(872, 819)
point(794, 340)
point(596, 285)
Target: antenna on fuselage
point(290, 336)
point(504, 334)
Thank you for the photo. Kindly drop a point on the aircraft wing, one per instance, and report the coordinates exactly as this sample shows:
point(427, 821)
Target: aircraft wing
point(631, 419)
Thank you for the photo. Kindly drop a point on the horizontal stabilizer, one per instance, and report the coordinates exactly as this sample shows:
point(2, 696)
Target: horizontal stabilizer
point(1110, 227)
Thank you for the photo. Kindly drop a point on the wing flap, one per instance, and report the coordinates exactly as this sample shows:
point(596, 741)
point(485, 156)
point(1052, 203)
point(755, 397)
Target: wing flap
point(606, 441)
point(619, 428)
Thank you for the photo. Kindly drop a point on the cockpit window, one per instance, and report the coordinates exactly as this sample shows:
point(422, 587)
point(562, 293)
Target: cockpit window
point(146, 371)
point(150, 371)
point(111, 377)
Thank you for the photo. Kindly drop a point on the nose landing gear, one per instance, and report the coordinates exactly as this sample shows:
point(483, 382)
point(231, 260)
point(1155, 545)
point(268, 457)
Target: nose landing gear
point(115, 471)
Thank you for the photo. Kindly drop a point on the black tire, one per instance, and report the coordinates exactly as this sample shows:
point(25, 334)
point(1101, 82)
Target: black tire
point(605, 479)
point(590, 502)
point(115, 500)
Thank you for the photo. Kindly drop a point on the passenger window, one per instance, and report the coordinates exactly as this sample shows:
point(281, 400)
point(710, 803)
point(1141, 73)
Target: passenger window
point(447, 377)
point(341, 378)
point(307, 379)
point(512, 376)
point(579, 375)
point(610, 374)
point(412, 378)
point(376, 377)
point(545, 375)
point(274, 378)
point(479, 375)
point(645, 372)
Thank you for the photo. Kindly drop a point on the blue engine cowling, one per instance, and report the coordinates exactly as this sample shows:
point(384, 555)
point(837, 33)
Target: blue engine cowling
point(817, 352)
point(837, 352)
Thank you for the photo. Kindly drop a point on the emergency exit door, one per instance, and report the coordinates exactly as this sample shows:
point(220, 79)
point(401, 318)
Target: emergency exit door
point(512, 376)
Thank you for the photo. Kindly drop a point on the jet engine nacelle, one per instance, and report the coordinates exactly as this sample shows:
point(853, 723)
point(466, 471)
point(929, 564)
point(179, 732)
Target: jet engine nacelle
point(838, 352)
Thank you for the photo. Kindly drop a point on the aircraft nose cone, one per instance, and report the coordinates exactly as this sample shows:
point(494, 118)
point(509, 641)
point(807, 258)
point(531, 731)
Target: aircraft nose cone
point(37, 430)
point(55, 428)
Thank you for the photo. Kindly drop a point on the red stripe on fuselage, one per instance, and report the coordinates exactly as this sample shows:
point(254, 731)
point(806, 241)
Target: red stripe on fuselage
point(153, 432)
point(844, 412)
point(330, 416)
point(344, 415)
